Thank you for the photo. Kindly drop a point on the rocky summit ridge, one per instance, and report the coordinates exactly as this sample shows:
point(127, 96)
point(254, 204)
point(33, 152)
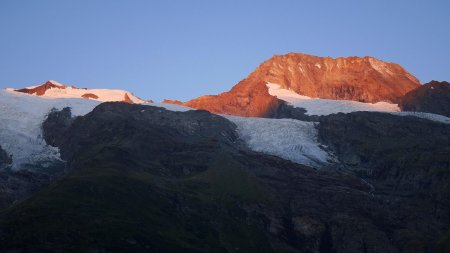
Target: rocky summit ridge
point(363, 79)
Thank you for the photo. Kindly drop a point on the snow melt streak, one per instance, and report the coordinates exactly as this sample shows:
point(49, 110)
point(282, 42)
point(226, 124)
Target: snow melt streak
point(287, 138)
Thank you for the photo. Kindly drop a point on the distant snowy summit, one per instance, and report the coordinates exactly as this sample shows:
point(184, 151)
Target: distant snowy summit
point(53, 89)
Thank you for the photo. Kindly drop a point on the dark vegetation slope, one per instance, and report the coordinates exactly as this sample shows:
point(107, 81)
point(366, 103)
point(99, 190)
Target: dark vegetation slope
point(144, 179)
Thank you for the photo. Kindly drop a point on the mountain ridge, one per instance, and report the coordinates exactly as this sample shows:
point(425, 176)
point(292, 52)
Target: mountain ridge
point(55, 89)
point(363, 79)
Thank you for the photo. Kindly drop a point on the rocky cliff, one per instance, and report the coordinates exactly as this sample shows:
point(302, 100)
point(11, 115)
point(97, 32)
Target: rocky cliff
point(363, 79)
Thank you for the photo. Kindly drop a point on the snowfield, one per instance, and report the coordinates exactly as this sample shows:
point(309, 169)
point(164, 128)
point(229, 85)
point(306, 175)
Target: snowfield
point(104, 95)
point(290, 139)
point(318, 106)
point(20, 126)
point(21, 119)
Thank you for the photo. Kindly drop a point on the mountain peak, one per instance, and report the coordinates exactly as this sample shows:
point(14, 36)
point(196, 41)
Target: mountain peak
point(54, 89)
point(54, 83)
point(362, 79)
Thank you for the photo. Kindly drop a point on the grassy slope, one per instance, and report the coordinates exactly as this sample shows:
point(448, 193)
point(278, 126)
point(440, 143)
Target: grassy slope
point(115, 208)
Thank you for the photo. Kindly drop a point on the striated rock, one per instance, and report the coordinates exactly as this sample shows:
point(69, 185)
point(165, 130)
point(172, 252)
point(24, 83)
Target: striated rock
point(432, 97)
point(363, 79)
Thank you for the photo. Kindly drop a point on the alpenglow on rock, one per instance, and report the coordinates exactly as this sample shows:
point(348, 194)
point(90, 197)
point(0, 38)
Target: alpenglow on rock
point(363, 79)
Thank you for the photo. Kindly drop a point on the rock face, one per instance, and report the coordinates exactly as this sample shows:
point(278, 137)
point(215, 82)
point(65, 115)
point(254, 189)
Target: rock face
point(5, 159)
point(360, 79)
point(432, 97)
point(407, 161)
point(145, 179)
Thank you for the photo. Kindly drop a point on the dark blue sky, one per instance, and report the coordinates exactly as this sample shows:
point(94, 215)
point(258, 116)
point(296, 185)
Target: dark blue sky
point(183, 49)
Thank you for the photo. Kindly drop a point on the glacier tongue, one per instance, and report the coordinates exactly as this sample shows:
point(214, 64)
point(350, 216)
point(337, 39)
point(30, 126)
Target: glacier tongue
point(290, 139)
point(20, 126)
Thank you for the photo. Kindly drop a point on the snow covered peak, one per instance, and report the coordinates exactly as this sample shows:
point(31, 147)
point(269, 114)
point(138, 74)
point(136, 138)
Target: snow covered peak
point(54, 89)
point(55, 83)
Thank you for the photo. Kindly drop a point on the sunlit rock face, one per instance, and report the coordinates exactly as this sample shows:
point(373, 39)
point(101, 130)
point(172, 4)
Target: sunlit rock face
point(363, 79)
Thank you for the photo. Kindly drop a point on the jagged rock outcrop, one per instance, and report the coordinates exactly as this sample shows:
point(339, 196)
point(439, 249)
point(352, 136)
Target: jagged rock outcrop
point(41, 89)
point(364, 79)
point(432, 97)
point(5, 159)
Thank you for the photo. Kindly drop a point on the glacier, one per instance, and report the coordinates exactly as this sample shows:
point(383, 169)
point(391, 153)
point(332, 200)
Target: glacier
point(21, 119)
point(290, 139)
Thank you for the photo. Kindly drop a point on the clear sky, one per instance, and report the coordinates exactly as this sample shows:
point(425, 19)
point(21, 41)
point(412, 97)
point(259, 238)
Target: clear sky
point(187, 48)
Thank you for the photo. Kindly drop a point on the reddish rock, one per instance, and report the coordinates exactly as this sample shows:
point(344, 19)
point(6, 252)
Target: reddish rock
point(89, 95)
point(127, 99)
point(41, 89)
point(170, 101)
point(363, 79)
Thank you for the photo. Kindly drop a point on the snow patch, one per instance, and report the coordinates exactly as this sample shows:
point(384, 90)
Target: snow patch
point(318, 106)
point(425, 115)
point(380, 66)
point(290, 139)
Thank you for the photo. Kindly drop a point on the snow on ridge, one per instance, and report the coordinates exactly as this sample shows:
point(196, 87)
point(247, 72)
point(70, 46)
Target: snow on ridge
point(318, 106)
point(21, 117)
point(425, 115)
point(290, 139)
point(56, 83)
point(104, 95)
